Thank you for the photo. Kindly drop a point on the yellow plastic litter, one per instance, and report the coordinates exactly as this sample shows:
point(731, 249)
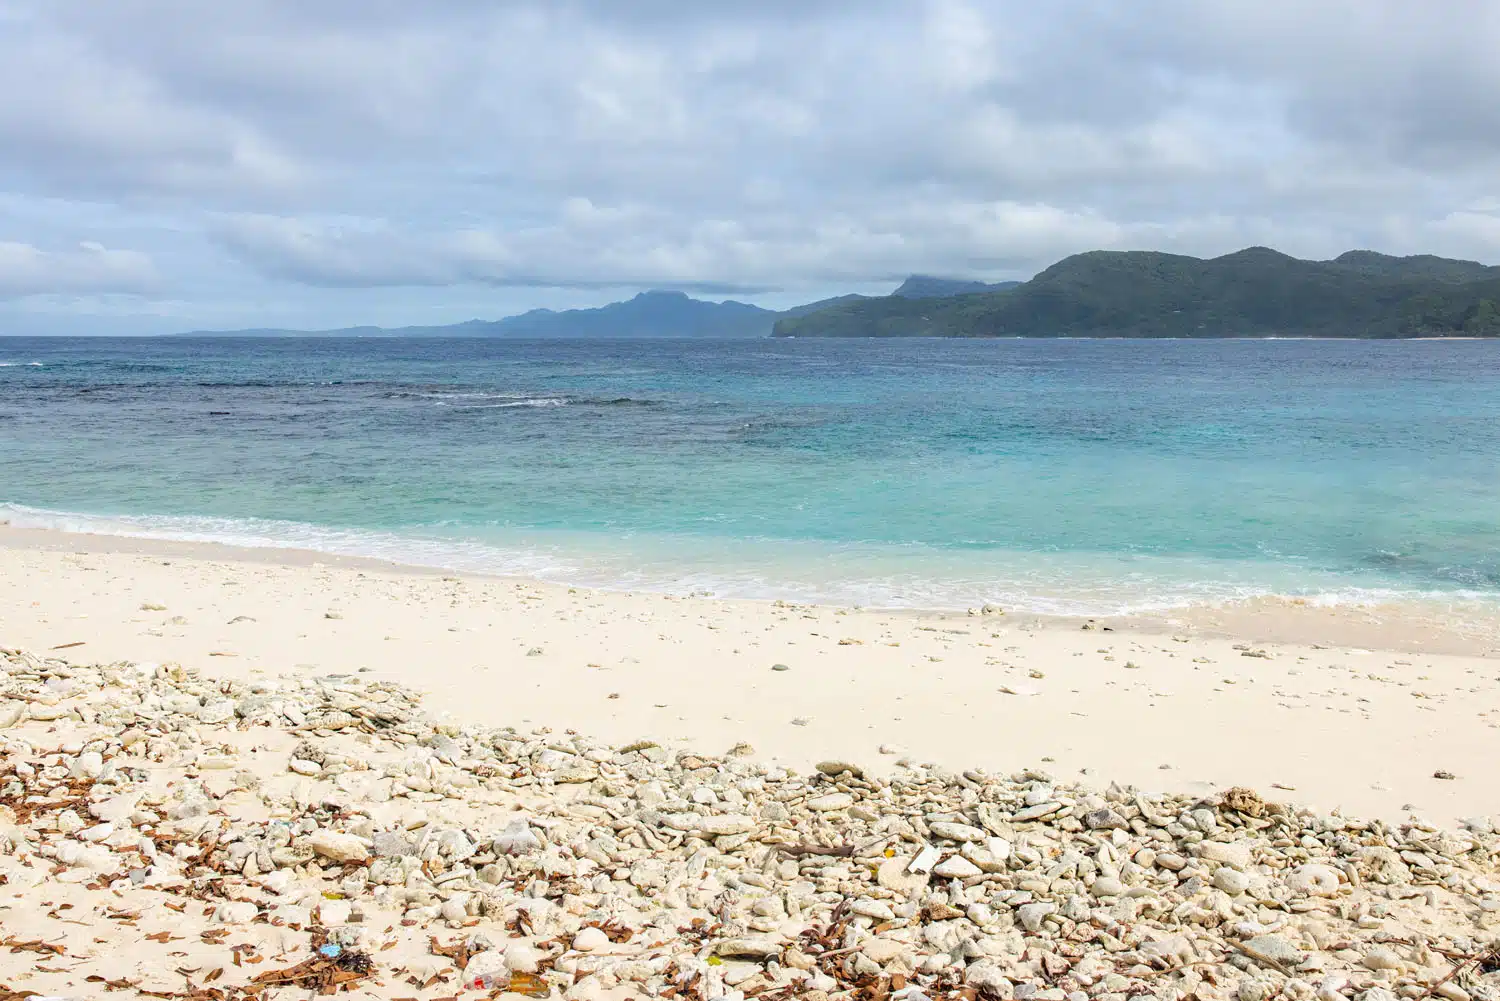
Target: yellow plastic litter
point(530, 985)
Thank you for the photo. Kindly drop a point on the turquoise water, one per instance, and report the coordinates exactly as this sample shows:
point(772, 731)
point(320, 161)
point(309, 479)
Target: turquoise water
point(1054, 475)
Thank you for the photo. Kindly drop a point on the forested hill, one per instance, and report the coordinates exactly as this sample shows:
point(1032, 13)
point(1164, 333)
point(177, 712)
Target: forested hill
point(1255, 292)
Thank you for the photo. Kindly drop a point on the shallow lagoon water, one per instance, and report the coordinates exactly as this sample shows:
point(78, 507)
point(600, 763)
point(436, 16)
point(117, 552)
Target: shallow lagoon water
point(1052, 475)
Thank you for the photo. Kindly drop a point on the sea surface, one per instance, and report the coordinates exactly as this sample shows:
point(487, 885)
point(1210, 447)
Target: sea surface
point(1090, 476)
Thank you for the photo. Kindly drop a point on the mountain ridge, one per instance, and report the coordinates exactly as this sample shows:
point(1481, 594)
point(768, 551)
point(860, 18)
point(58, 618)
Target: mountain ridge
point(1254, 292)
point(651, 313)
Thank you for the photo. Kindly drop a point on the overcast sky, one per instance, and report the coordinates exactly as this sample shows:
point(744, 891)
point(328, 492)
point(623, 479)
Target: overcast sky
point(181, 165)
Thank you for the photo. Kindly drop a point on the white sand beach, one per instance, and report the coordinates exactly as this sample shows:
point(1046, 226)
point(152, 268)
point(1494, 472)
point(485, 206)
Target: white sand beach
point(1352, 708)
point(222, 781)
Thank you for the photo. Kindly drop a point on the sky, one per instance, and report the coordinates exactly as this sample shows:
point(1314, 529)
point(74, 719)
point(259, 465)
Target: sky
point(169, 166)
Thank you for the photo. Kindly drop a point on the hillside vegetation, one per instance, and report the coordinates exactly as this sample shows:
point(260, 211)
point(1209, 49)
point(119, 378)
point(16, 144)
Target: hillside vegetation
point(1256, 292)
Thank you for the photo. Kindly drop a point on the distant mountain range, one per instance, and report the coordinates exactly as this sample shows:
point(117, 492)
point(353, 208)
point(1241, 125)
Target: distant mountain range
point(649, 314)
point(1255, 292)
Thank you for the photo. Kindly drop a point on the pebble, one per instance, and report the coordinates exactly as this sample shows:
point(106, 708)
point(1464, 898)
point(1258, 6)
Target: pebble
point(831, 802)
point(1236, 854)
point(956, 832)
point(1314, 880)
point(590, 940)
point(755, 948)
point(373, 816)
point(1032, 915)
point(1231, 881)
point(836, 768)
point(894, 874)
point(521, 957)
point(1382, 957)
point(1273, 950)
point(956, 867)
point(337, 846)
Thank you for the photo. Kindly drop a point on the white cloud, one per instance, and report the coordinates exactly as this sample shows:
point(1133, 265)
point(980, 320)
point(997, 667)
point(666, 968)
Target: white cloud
point(90, 269)
point(271, 146)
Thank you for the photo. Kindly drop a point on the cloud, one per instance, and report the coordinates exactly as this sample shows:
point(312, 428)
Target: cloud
point(583, 246)
point(575, 144)
point(90, 270)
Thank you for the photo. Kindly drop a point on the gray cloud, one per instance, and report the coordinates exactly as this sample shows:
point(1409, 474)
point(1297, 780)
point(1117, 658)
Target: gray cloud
point(319, 151)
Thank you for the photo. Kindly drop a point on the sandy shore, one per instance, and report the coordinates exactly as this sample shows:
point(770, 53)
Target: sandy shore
point(1353, 709)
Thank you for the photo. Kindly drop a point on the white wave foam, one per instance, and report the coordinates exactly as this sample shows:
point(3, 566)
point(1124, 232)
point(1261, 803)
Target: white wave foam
point(544, 401)
point(770, 569)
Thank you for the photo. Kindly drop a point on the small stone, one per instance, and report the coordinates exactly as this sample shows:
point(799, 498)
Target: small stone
point(522, 958)
point(339, 847)
point(490, 963)
point(304, 767)
point(590, 940)
point(988, 977)
point(517, 839)
point(988, 859)
point(1445, 775)
point(780, 667)
point(1314, 880)
point(1032, 915)
point(1231, 881)
point(876, 909)
point(216, 712)
point(1105, 819)
point(956, 832)
point(89, 764)
point(956, 867)
point(97, 833)
point(893, 874)
point(1107, 886)
point(883, 950)
point(236, 912)
point(1383, 958)
point(648, 874)
point(1236, 854)
point(1274, 951)
point(332, 913)
point(753, 947)
point(726, 824)
point(836, 768)
point(393, 844)
point(831, 802)
point(1038, 812)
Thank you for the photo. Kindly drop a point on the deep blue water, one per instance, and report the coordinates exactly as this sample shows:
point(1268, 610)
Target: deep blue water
point(1047, 474)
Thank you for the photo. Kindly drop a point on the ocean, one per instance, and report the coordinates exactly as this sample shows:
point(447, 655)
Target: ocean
point(1076, 476)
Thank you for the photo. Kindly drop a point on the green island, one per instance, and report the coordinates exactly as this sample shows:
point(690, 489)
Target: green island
point(1256, 292)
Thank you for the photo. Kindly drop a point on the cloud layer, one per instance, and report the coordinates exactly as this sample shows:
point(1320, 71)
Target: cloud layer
point(342, 162)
